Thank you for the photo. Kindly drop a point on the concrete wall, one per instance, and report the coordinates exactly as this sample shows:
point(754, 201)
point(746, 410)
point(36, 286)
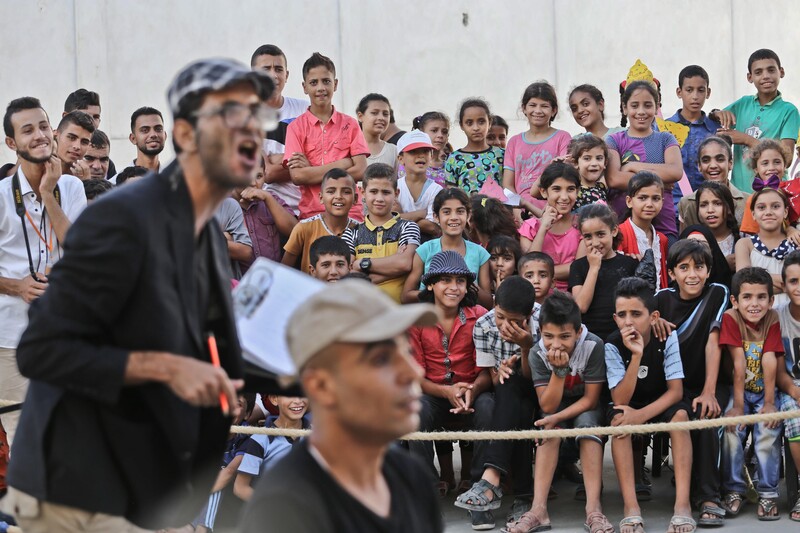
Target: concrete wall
point(422, 54)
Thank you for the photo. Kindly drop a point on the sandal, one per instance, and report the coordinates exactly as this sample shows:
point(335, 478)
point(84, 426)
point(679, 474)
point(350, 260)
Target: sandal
point(678, 521)
point(766, 506)
point(795, 511)
point(443, 488)
point(729, 500)
point(635, 521)
point(527, 523)
point(715, 518)
point(644, 492)
point(475, 498)
point(597, 522)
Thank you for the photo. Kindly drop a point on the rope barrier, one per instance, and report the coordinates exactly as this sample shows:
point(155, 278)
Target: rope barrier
point(536, 434)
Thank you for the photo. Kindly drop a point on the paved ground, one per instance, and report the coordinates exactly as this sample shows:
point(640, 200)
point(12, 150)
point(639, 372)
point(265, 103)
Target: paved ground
point(567, 514)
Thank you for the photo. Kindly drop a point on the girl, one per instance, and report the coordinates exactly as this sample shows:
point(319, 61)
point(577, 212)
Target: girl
point(451, 210)
point(373, 115)
point(769, 246)
point(437, 126)
point(504, 252)
point(715, 210)
point(470, 167)
point(490, 218)
point(498, 132)
point(556, 233)
point(641, 148)
point(602, 267)
point(769, 162)
point(723, 267)
point(590, 153)
point(588, 109)
point(529, 153)
point(715, 161)
point(644, 200)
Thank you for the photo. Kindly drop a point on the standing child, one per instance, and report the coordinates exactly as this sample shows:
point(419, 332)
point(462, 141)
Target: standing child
point(591, 277)
point(765, 115)
point(451, 209)
point(714, 160)
point(530, 152)
point(383, 246)
point(468, 168)
point(568, 370)
point(645, 200)
point(751, 334)
point(645, 376)
point(556, 233)
point(590, 154)
point(337, 195)
point(769, 246)
point(641, 148)
point(373, 114)
point(322, 139)
point(436, 126)
point(504, 252)
point(417, 190)
point(498, 132)
point(716, 211)
point(588, 109)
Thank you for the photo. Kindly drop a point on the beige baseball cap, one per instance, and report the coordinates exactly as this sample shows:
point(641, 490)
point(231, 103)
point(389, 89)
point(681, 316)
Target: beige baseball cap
point(350, 311)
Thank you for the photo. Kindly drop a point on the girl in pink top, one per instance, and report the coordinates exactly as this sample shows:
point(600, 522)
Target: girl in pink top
point(556, 234)
point(529, 153)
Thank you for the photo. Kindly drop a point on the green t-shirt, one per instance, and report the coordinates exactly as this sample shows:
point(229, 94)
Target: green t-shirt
point(776, 120)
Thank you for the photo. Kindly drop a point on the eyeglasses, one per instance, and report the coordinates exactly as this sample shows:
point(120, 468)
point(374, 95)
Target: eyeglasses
point(237, 116)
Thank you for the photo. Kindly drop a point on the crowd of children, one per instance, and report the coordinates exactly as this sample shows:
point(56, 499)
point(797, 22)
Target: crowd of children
point(624, 275)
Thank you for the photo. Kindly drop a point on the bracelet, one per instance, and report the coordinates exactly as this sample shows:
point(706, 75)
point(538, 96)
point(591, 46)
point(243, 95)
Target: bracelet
point(561, 371)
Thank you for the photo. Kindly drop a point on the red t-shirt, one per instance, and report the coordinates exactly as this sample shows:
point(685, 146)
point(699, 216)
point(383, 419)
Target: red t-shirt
point(731, 335)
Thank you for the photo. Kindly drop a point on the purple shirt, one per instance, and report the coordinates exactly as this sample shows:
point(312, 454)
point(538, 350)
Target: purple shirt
point(263, 231)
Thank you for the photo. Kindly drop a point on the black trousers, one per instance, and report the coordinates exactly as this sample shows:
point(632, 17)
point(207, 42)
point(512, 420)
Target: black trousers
point(706, 477)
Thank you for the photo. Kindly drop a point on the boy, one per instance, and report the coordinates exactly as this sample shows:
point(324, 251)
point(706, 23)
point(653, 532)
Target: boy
point(417, 191)
point(540, 270)
point(694, 309)
point(751, 334)
point(329, 259)
point(383, 245)
point(693, 90)
point(74, 136)
point(322, 139)
point(568, 370)
point(789, 375)
point(259, 452)
point(762, 116)
point(337, 194)
point(503, 338)
point(645, 376)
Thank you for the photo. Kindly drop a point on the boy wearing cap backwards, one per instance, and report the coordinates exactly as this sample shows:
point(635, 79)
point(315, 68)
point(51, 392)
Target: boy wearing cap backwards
point(453, 383)
point(569, 371)
point(417, 190)
point(322, 139)
point(383, 245)
point(363, 387)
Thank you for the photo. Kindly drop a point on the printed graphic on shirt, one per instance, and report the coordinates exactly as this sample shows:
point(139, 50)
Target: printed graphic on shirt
point(754, 378)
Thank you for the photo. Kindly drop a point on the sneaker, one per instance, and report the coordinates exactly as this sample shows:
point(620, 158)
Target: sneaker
point(482, 520)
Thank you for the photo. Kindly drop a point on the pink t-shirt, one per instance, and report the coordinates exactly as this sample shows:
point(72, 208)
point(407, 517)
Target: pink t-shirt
point(561, 247)
point(528, 160)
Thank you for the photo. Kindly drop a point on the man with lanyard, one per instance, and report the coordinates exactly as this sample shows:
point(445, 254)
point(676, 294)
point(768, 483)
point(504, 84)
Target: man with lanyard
point(37, 206)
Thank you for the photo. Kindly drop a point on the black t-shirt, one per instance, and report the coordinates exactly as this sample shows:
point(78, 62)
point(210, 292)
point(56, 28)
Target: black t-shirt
point(599, 317)
point(695, 319)
point(652, 382)
point(297, 495)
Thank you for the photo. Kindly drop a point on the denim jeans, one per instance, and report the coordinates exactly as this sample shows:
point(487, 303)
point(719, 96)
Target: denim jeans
point(767, 445)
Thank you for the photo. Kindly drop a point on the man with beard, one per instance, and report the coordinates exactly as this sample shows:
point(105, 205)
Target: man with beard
point(149, 136)
point(37, 206)
point(126, 417)
point(73, 137)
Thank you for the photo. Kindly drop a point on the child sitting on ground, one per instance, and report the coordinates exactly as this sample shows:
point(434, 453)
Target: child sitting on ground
point(751, 335)
point(329, 259)
point(645, 376)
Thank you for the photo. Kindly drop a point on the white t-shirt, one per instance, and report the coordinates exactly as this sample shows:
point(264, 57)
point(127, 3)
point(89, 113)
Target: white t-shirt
point(14, 262)
point(790, 334)
point(425, 201)
point(388, 155)
point(290, 110)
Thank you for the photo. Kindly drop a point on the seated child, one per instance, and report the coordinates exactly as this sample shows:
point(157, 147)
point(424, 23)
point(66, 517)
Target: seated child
point(539, 269)
point(338, 194)
point(751, 335)
point(262, 451)
point(590, 155)
point(569, 372)
point(503, 337)
point(489, 217)
point(789, 374)
point(329, 259)
point(383, 245)
point(645, 376)
point(417, 190)
point(453, 384)
point(504, 252)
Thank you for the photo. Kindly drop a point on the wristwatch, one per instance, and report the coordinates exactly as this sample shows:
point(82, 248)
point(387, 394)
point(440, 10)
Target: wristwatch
point(561, 371)
point(365, 265)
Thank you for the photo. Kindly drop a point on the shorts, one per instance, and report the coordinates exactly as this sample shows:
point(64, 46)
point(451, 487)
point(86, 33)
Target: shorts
point(791, 425)
point(587, 419)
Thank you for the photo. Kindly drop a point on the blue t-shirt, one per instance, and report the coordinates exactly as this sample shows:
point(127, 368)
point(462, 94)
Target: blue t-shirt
point(698, 131)
point(475, 258)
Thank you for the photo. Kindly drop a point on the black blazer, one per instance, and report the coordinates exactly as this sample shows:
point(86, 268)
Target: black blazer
point(126, 282)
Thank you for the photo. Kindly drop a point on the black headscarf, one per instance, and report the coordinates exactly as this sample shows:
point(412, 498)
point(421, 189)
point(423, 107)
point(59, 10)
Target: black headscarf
point(720, 270)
